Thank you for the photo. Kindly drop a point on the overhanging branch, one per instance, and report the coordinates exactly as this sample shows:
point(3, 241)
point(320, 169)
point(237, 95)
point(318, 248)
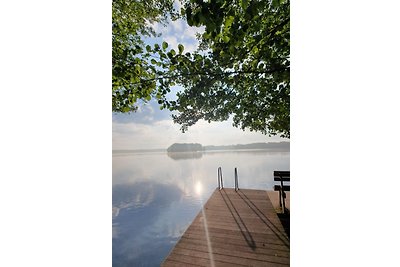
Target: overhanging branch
point(213, 74)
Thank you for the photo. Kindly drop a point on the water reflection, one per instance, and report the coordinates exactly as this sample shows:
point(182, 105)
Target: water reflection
point(145, 194)
point(156, 196)
point(185, 155)
point(136, 213)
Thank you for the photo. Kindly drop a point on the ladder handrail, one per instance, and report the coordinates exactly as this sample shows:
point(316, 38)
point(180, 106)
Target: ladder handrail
point(236, 180)
point(220, 181)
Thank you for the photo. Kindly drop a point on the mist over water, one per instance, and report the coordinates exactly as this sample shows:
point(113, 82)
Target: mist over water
point(155, 196)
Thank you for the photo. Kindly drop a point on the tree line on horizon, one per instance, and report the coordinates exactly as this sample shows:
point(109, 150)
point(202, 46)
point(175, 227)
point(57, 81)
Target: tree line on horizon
point(196, 147)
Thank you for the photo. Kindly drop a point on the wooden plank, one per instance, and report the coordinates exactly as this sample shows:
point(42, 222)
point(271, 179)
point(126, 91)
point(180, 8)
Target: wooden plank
point(260, 237)
point(228, 218)
point(239, 253)
point(263, 250)
point(184, 260)
point(232, 240)
point(239, 228)
point(226, 259)
point(249, 228)
point(179, 263)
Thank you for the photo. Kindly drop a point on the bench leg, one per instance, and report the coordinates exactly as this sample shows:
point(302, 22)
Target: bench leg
point(280, 199)
point(284, 199)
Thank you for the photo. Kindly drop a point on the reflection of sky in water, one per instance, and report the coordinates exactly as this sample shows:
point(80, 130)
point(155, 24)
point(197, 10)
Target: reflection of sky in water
point(156, 196)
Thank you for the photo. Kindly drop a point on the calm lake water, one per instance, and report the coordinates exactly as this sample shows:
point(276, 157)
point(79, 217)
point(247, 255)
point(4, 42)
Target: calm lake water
point(156, 195)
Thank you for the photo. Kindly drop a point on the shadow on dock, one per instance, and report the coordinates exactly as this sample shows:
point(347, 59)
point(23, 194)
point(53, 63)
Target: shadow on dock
point(235, 228)
point(285, 221)
point(240, 223)
point(273, 227)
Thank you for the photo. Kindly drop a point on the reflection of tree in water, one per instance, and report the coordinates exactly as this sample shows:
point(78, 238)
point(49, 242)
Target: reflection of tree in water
point(137, 207)
point(185, 155)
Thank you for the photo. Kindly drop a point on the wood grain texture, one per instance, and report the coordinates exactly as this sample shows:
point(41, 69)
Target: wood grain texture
point(233, 229)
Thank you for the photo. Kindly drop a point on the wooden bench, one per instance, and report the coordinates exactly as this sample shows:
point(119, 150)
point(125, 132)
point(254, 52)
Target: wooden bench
point(280, 177)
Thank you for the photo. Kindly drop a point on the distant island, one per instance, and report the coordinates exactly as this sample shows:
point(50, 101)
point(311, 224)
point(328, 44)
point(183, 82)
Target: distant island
point(185, 147)
point(195, 147)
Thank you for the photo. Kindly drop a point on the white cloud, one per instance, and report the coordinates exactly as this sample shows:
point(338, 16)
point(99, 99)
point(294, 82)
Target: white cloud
point(189, 47)
point(159, 28)
point(142, 136)
point(178, 25)
point(178, 5)
point(190, 32)
point(172, 41)
point(144, 108)
point(180, 33)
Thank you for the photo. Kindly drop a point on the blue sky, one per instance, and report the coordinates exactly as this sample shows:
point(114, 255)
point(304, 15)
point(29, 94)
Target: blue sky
point(153, 128)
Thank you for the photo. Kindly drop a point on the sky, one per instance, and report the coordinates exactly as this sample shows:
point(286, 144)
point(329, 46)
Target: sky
point(152, 128)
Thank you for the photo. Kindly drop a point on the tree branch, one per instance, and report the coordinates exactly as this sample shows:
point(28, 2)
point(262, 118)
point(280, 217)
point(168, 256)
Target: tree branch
point(213, 74)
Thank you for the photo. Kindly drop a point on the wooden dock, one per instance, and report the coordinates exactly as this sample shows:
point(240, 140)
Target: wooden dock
point(233, 229)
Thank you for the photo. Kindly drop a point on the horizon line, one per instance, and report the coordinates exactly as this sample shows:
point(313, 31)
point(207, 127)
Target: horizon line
point(158, 149)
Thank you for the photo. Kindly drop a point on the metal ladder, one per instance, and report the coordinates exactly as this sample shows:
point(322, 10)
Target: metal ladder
point(221, 182)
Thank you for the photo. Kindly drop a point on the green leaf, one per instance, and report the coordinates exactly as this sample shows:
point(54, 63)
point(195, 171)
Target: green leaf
point(255, 50)
point(173, 52)
point(202, 18)
point(148, 48)
point(226, 39)
point(181, 48)
point(164, 45)
point(276, 3)
point(153, 61)
point(137, 69)
point(228, 21)
point(198, 57)
point(148, 98)
point(244, 4)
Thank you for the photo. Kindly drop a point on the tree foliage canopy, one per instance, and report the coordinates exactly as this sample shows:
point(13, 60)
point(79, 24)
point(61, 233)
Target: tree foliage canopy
point(131, 69)
point(241, 69)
